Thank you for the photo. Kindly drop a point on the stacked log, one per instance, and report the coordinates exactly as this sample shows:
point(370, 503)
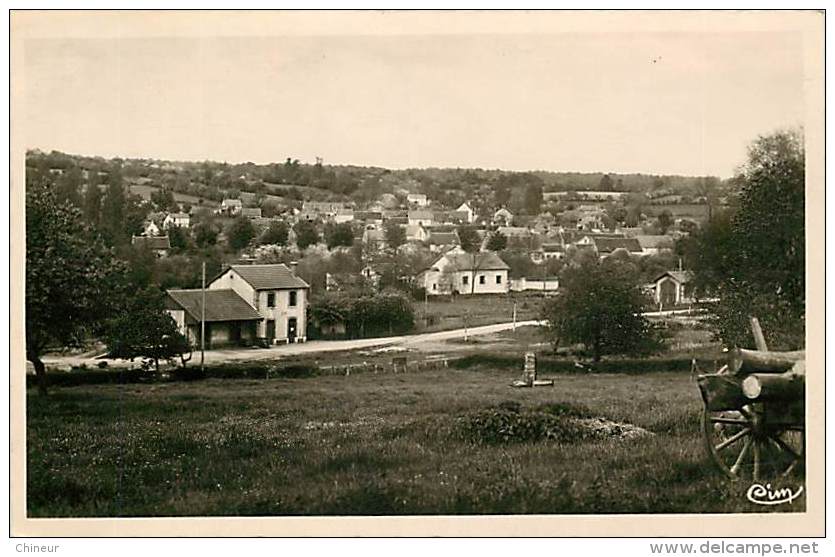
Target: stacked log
point(770, 375)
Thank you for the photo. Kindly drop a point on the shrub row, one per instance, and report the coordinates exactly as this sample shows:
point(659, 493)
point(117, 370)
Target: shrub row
point(77, 377)
point(562, 365)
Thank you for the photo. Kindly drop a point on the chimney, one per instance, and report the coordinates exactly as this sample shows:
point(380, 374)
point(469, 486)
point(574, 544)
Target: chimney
point(293, 265)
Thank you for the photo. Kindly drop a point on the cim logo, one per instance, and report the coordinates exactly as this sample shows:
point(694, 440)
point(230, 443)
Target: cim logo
point(764, 495)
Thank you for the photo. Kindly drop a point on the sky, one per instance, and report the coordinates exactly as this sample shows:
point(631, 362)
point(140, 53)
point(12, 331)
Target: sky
point(659, 103)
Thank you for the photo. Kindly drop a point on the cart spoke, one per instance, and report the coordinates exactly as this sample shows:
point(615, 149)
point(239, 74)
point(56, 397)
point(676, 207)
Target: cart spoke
point(783, 445)
point(756, 460)
point(730, 421)
point(733, 439)
point(742, 454)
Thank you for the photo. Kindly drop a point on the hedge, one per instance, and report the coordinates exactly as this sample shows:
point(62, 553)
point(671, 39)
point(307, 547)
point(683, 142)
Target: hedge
point(562, 365)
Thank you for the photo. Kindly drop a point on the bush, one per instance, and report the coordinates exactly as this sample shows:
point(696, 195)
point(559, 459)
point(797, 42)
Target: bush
point(506, 424)
point(561, 365)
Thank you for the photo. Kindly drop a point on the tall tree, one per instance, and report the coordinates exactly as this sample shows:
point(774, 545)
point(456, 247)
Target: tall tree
point(395, 235)
point(497, 241)
point(306, 234)
point(600, 305)
point(92, 200)
point(341, 234)
point(240, 233)
point(145, 330)
point(755, 262)
point(533, 198)
point(664, 221)
point(71, 278)
point(276, 233)
point(470, 242)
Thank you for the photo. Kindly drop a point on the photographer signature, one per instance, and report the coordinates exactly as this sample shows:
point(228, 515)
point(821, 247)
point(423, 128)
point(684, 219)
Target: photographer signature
point(765, 495)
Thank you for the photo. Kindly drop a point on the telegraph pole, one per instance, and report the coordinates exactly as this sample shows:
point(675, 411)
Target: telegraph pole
point(514, 315)
point(203, 322)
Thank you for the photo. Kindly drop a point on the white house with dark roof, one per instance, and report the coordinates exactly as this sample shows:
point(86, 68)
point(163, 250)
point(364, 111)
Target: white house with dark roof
point(231, 206)
point(245, 303)
point(182, 220)
point(465, 273)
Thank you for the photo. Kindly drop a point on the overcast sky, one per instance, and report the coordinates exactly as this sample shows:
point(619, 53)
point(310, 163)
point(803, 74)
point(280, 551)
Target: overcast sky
point(615, 102)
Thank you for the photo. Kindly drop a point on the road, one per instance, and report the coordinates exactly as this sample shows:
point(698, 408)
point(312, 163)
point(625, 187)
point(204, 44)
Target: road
point(312, 347)
point(322, 346)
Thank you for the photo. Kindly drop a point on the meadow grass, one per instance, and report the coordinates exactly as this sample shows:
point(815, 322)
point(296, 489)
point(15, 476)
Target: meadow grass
point(365, 445)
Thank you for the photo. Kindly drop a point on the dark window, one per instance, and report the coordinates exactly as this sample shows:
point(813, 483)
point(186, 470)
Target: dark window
point(465, 280)
point(498, 279)
point(481, 279)
point(271, 299)
point(292, 298)
point(435, 286)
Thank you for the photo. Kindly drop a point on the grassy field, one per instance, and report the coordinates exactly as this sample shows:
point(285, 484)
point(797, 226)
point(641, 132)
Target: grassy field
point(450, 313)
point(367, 444)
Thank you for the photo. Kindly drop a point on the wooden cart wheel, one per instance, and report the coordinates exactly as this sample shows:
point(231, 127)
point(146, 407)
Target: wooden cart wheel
point(745, 447)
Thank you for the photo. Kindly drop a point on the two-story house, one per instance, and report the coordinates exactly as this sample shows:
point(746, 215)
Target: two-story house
point(244, 303)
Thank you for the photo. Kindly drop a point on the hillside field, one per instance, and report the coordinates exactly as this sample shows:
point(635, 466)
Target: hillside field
point(368, 444)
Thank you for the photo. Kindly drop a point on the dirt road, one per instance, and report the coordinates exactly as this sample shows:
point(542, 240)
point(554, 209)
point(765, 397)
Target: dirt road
point(316, 346)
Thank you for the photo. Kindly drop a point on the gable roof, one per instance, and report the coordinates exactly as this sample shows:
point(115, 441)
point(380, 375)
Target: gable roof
point(514, 231)
point(443, 238)
point(552, 248)
point(608, 245)
point(681, 277)
point(485, 261)
point(422, 215)
point(231, 203)
point(221, 305)
point(251, 211)
point(661, 241)
point(268, 277)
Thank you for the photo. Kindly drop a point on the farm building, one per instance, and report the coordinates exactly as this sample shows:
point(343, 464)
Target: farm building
point(183, 220)
point(673, 288)
point(652, 244)
point(231, 207)
point(417, 199)
point(245, 303)
point(440, 241)
point(464, 273)
point(502, 217)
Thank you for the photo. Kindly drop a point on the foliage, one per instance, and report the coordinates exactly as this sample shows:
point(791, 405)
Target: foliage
point(753, 260)
point(179, 238)
point(395, 235)
point(533, 198)
point(469, 239)
point(600, 305)
point(240, 233)
point(306, 234)
point(507, 424)
point(664, 221)
point(144, 330)
point(276, 233)
point(72, 278)
point(389, 312)
point(339, 235)
point(205, 234)
point(497, 241)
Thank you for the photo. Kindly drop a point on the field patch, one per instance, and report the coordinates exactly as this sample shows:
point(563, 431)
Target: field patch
point(370, 444)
